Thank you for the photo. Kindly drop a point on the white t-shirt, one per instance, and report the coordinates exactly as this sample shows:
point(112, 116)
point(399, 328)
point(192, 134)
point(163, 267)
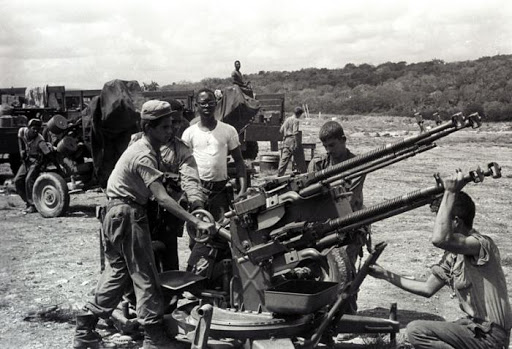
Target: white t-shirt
point(210, 149)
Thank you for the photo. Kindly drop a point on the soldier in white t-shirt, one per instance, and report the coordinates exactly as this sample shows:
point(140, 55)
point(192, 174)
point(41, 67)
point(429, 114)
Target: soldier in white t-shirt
point(211, 142)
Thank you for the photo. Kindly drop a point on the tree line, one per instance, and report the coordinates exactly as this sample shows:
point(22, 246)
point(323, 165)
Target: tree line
point(483, 85)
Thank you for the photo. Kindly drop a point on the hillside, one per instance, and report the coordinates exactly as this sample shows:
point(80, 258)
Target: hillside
point(483, 85)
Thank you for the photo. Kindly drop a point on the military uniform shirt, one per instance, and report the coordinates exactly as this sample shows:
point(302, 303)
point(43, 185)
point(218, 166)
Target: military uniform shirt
point(35, 146)
point(478, 282)
point(290, 127)
point(356, 185)
point(135, 171)
point(177, 158)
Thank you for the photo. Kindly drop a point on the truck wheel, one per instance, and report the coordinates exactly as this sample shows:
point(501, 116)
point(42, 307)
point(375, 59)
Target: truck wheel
point(14, 162)
point(50, 195)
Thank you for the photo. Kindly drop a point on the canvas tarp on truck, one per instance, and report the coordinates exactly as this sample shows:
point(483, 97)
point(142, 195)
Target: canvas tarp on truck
point(239, 110)
point(236, 109)
point(112, 119)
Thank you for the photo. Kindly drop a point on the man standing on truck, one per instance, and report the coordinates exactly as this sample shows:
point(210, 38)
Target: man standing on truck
point(32, 148)
point(238, 80)
point(290, 129)
point(127, 241)
point(334, 141)
point(211, 142)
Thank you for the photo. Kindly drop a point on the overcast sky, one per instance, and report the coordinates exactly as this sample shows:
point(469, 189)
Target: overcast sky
point(83, 44)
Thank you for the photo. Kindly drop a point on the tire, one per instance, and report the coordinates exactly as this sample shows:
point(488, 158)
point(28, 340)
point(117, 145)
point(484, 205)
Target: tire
point(338, 262)
point(50, 195)
point(335, 271)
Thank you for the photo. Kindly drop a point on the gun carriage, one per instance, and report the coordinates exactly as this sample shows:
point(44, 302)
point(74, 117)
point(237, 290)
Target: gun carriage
point(281, 288)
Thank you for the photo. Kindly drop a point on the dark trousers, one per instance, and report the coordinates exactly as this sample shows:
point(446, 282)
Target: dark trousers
point(217, 204)
point(291, 149)
point(165, 228)
point(461, 334)
point(25, 179)
point(130, 260)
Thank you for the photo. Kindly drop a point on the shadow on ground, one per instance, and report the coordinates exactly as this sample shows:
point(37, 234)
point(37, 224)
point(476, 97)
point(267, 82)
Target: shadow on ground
point(80, 210)
point(403, 316)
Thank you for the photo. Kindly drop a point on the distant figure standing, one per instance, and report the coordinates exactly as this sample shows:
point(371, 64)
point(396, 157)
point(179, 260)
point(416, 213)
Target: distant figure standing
point(419, 120)
point(292, 143)
point(238, 80)
point(438, 118)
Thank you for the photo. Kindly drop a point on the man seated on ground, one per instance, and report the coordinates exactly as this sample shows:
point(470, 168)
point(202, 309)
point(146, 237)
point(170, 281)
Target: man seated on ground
point(334, 141)
point(32, 148)
point(211, 141)
point(471, 266)
point(238, 80)
point(126, 236)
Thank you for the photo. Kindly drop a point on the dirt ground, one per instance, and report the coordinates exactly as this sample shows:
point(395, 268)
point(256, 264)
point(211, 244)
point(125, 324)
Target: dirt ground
point(49, 267)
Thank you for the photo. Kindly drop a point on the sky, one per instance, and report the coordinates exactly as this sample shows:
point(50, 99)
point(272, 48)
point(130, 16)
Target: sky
point(83, 44)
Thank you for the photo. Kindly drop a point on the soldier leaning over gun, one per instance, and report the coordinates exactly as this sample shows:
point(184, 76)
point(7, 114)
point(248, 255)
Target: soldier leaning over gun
point(334, 140)
point(127, 241)
point(32, 148)
point(183, 185)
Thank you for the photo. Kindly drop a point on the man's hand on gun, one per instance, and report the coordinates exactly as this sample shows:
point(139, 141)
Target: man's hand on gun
point(455, 183)
point(206, 228)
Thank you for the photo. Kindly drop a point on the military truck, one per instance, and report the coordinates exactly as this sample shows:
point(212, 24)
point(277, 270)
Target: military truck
point(256, 120)
point(24, 105)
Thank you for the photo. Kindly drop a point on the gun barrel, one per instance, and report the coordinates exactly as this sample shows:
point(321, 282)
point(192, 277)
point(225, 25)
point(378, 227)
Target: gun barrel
point(389, 149)
point(330, 229)
point(366, 168)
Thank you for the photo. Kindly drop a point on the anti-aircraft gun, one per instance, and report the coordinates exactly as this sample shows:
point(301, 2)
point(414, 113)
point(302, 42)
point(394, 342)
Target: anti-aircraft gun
point(279, 289)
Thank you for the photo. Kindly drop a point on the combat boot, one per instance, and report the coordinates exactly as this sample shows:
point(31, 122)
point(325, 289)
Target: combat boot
point(156, 338)
point(85, 335)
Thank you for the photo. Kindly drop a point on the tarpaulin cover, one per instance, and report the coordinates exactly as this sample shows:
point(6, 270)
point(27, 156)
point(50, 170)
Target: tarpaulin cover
point(236, 108)
point(114, 118)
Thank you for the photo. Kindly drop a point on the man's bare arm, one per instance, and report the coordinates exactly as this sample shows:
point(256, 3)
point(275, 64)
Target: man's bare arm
point(443, 235)
point(422, 288)
point(174, 208)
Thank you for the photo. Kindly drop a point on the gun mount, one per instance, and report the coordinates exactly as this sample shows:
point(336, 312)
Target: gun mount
point(282, 282)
